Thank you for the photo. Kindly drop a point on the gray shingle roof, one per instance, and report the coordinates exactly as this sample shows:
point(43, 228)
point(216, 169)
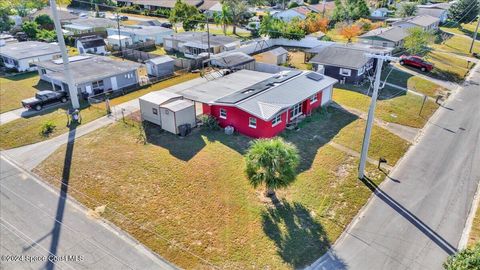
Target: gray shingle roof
point(435, 12)
point(28, 49)
point(94, 22)
point(421, 20)
point(87, 68)
point(340, 57)
point(394, 34)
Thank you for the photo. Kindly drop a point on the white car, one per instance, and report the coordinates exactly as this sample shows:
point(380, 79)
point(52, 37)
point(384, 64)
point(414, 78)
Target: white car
point(83, 15)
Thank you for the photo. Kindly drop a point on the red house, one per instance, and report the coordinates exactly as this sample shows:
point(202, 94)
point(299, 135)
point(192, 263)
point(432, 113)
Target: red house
point(258, 104)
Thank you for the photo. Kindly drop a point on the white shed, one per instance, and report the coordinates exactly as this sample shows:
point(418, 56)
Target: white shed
point(277, 56)
point(151, 102)
point(114, 40)
point(176, 113)
point(161, 66)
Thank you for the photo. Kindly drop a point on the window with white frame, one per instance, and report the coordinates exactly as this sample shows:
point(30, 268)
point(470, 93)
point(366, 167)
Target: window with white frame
point(345, 72)
point(223, 113)
point(252, 122)
point(313, 99)
point(277, 120)
point(296, 110)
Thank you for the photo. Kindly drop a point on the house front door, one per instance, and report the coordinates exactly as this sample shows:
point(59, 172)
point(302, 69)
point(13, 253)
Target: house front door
point(114, 83)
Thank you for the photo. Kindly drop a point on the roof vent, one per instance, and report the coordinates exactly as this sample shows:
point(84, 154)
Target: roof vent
point(314, 76)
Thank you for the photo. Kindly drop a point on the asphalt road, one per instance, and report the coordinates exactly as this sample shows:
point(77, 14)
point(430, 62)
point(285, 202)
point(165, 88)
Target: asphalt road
point(416, 218)
point(36, 221)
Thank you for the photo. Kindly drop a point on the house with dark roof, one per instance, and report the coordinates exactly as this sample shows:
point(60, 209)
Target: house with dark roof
point(386, 37)
point(23, 56)
point(91, 44)
point(233, 61)
point(425, 22)
point(347, 64)
point(92, 74)
point(258, 104)
point(192, 44)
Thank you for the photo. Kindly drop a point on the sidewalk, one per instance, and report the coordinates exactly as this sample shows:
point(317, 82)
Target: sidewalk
point(446, 84)
point(30, 156)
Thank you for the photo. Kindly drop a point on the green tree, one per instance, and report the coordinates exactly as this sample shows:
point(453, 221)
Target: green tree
point(238, 10)
point(339, 12)
point(407, 9)
point(44, 22)
point(30, 28)
point(46, 35)
point(293, 30)
point(271, 162)
point(5, 22)
point(464, 11)
point(417, 40)
point(467, 259)
point(187, 14)
point(223, 18)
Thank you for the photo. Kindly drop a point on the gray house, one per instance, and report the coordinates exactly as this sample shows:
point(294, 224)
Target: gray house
point(162, 66)
point(425, 22)
point(23, 56)
point(346, 64)
point(392, 37)
point(93, 74)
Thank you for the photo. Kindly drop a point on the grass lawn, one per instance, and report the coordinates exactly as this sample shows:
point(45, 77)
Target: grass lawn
point(457, 44)
point(402, 109)
point(297, 58)
point(13, 89)
point(474, 236)
point(414, 83)
point(335, 36)
point(129, 22)
point(154, 87)
point(193, 192)
point(25, 131)
point(448, 66)
point(463, 29)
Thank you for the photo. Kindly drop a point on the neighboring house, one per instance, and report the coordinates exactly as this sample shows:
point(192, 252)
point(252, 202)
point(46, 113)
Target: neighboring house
point(142, 33)
point(93, 74)
point(233, 61)
point(88, 25)
point(161, 66)
point(277, 56)
point(167, 110)
point(7, 39)
point(320, 8)
point(441, 14)
point(392, 37)
point(91, 44)
point(258, 104)
point(192, 44)
point(300, 12)
point(344, 63)
point(23, 56)
point(210, 8)
point(380, 13)
point(426, 22)
point(119, 40)
point(64, 16)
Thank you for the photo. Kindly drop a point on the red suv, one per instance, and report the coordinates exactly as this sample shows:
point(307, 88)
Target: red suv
point(416, 61)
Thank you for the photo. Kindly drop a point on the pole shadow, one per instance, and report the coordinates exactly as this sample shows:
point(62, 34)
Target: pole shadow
point(62, 199)
point(410, 217)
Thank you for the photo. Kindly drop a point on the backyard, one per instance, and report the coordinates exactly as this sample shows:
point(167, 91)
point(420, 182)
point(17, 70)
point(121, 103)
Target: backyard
point(150, 190)
point(13, 89)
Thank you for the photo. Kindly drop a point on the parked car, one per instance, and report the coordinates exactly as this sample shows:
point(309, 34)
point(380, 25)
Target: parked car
point(166, 25)
point(83, 15)
point(118, 17)
point(415, 61)
point(101, 14)
point(43, 98)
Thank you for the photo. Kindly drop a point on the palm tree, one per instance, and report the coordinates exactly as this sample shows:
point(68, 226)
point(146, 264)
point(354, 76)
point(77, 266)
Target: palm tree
point(272, 162)
point(223, 18)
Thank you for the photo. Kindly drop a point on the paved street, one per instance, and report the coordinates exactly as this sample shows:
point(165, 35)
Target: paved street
point(36, 221)
point(416, 218)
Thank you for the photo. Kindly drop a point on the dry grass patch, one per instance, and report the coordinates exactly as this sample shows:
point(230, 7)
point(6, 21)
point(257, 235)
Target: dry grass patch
point(297, 60)
point(13, 89)
point(448, 66)
point(474, 236)
point(193, 192)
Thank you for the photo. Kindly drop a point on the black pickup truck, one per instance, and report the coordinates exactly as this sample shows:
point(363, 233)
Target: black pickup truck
point(43, 98)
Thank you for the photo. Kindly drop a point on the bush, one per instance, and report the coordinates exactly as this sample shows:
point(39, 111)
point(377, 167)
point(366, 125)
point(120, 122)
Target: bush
point(293, 5)
point(47, 128)
point(209, 122)
point(467, 259)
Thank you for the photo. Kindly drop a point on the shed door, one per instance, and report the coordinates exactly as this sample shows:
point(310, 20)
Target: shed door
point(114, 83)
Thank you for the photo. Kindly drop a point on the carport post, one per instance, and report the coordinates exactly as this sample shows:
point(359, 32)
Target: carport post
point(72, 89)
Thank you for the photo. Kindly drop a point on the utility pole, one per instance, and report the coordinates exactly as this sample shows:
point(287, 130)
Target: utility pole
point(371, 111)
point(208, 36)
point(475, 34)
point(119, 38)
point(72, 89)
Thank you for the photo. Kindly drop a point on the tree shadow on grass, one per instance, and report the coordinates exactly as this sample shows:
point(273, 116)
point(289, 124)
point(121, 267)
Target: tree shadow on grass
point(299, 238)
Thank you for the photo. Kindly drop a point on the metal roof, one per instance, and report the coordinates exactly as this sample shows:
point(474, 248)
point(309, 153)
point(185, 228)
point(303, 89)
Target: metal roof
point(421, 20)
point(341, 57)
point(394, 34)
point(231, 59)
point(277, 51)
point(159, 97)
point(143, 30)
point(177, 105)
point(94, 22)
point(202, 37)
point(28, 49)
point(88, 68)
point(160, 59)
